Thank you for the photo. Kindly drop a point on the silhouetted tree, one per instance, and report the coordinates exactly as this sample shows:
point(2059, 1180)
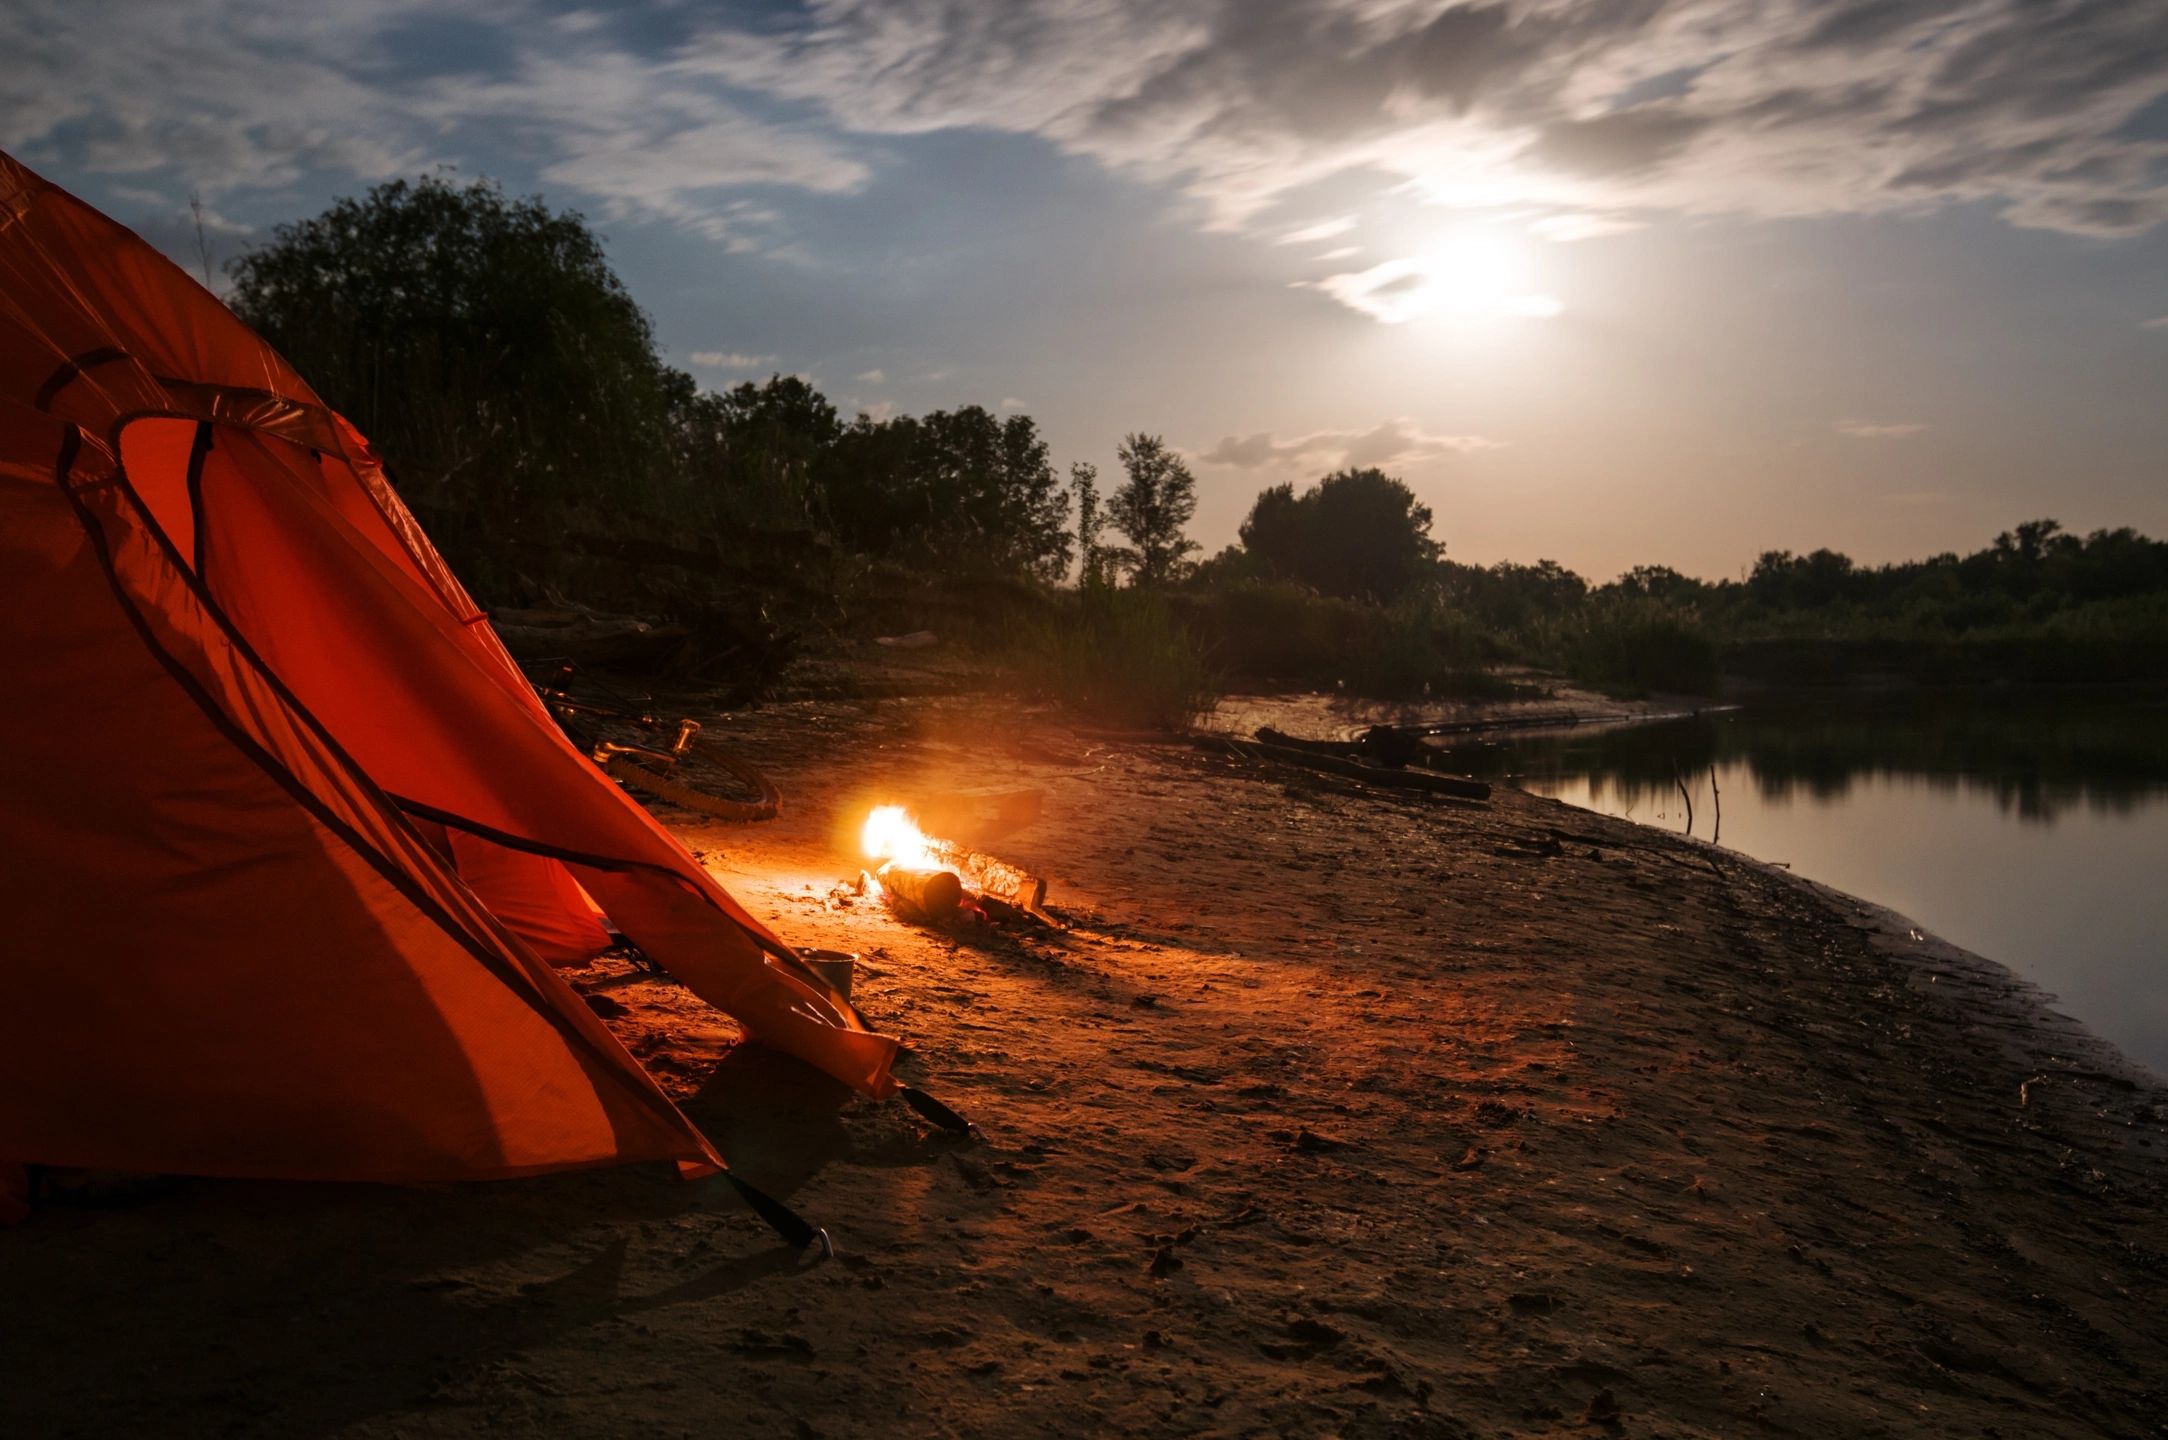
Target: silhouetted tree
point(1091, 555)
point(482, 342)
point(1507, 594)
point(759, 451)
point(1360, 534)
point(1152, 507)
point(951, 485)
point(1658, 582)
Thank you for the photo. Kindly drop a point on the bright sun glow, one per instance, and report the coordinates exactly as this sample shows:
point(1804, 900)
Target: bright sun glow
point(891, 834)
point(1472, 274)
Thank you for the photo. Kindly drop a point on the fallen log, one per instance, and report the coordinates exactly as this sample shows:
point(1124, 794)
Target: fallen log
point(933, 894)
point(1454, 785)
point(1379, 745)
point(585, 637)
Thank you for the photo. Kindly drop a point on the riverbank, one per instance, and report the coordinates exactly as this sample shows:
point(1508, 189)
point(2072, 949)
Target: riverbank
point(1335, 1111)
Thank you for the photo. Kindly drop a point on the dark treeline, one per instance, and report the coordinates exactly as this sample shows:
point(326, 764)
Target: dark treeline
point(514, 385)
point(494, 358)
point(2036, 604)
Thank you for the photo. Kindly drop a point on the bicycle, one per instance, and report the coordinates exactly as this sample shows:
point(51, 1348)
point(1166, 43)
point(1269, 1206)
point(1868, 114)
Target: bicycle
point(663, 759)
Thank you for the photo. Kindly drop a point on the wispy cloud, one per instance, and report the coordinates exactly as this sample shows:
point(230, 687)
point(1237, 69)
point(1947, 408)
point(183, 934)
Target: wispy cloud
point(2158, 322)
point(1787, 108)
point(872, 377)
point(1397, 291)
point(255, 96)
point(1776, 109)
point(1877, 430)
point(1322, 230)
point(1584, 226)
point(729, 360)
point(1395, 442)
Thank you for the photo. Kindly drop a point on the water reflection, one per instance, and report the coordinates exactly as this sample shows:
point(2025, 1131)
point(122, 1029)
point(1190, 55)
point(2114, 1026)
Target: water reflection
point(2036, 756)
point(2025, 828)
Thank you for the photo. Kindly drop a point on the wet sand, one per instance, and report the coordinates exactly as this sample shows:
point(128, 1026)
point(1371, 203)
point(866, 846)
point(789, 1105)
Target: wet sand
point(1337, 1111)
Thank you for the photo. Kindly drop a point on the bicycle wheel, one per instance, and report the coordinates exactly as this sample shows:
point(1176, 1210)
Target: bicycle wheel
point(634, 743)
point(705, 779)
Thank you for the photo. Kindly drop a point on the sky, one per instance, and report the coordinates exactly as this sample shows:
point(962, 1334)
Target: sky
point(1624, 283)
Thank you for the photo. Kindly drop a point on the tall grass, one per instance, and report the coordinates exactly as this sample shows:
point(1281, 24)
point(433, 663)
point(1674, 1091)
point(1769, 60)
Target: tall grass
point(1120, 656)
point(1627, 645)
point(1271, 632)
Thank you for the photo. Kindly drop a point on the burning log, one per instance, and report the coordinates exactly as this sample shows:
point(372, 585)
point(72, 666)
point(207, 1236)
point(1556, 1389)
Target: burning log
point(929, 877)
point(936, 894)
point(999, 879)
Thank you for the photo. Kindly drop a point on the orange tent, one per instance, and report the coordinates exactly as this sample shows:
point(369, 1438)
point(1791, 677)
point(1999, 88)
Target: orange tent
point(290, 842)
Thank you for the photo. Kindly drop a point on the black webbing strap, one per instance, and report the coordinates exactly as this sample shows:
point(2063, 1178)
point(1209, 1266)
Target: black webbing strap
point(73, 366)
point(933, 1112)
point(796, 1230)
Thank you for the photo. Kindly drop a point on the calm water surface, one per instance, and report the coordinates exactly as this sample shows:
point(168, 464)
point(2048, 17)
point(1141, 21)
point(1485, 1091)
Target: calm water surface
point(2031, 830)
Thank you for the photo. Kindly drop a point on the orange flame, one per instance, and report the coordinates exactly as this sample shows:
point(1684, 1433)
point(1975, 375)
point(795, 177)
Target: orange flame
point(891, 836)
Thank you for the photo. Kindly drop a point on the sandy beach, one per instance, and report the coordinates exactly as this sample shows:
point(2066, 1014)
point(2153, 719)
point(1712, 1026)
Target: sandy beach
point(1335, 1111)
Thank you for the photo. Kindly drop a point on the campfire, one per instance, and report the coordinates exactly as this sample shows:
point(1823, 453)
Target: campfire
point(938, 882)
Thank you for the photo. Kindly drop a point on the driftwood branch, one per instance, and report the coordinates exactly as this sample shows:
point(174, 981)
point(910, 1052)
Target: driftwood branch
point(1334, 765)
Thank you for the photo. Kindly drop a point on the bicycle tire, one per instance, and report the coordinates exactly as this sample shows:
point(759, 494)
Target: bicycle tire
point(677, 788)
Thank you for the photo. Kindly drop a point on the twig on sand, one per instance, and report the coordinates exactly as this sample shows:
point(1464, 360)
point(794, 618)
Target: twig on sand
point(1716, 836)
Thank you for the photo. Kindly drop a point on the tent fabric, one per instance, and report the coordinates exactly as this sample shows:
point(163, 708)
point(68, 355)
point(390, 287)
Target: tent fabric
point(247, 691)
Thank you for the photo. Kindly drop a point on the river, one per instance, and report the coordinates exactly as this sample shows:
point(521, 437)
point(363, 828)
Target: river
point(2030, 828)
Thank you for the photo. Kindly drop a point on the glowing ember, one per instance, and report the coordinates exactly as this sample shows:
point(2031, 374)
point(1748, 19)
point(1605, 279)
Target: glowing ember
point(892, 836)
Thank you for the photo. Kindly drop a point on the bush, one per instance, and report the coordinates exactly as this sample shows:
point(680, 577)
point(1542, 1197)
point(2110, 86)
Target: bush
point(1418, 648)
point(1120, 656)
point(1271, 632)
point(1628, 644)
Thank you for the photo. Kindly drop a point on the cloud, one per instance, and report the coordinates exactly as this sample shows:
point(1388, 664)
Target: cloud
point(1472, 279)
point(1786, 108)
point(1395, 442)
point(649, 145)
point(1625, 142)
point(1010, 402)
point(729, 360)
point(257, 96)
point(1774, 109)
point(2158, 322)
point(1873, 430)
point(1322, 230)
point(872, 377)
point(1583, 226)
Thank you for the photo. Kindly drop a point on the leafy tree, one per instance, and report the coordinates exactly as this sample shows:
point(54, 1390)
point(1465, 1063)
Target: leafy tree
point(1783, 580)
point(482, 342)
point(950, 485)
point(1658, 582)
point(1029, 513)
point(757, 453)
point(1152, 507)
point(1508, 595)
point(1091, 555)
point(1358, 534)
